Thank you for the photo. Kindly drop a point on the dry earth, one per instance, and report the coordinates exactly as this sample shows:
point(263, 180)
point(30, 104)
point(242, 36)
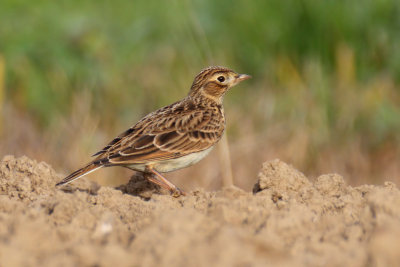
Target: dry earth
point(287, 221)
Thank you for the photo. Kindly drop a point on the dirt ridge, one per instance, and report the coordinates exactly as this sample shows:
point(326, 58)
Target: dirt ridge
point(287, 220)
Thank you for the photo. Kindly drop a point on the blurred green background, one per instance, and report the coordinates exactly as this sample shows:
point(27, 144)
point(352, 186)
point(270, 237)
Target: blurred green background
point(324, 96)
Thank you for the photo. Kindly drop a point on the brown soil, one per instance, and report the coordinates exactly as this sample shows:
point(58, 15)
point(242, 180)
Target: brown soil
point(288, 221)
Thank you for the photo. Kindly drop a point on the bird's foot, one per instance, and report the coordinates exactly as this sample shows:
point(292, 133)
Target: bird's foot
point(176, 192)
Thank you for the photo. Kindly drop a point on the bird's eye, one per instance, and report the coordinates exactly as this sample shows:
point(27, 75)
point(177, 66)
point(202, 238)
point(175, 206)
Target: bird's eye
point(221, 79)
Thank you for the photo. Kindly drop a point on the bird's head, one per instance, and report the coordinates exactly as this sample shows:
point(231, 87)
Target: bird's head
point(214, 82)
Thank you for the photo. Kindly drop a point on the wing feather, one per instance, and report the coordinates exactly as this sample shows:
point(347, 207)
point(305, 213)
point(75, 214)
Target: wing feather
point(167, 133)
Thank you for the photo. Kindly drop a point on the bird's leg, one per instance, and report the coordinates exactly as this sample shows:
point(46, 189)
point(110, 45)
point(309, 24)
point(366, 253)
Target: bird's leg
point(149, 176)
point(160, 180)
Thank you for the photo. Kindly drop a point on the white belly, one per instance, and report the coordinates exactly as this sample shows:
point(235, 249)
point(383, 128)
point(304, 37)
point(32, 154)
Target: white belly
point(170, 165)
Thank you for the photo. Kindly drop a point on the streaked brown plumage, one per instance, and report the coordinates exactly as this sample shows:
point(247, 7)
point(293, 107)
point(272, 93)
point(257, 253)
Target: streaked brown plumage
point(172, 137)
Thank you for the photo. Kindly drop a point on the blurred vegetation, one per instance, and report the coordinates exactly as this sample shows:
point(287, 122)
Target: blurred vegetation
point(325, 94)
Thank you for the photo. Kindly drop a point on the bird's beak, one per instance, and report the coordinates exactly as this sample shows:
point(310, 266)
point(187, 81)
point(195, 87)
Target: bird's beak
point(242, 77)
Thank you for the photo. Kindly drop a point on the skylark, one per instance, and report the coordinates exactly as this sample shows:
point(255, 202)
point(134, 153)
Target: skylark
point(172, 137)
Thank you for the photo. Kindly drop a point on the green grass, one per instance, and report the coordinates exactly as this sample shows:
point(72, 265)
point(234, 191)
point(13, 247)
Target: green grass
point(330, 68)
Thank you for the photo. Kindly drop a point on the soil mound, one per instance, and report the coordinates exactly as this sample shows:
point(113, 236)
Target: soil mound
point(287, 220)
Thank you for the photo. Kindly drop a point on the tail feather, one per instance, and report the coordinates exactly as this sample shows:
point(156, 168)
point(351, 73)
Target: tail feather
point(79, 173)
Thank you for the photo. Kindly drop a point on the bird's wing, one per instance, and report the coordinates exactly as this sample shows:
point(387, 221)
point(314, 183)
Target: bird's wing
point(168, 133)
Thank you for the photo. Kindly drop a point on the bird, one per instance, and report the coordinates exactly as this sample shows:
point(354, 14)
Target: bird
point(173, 137)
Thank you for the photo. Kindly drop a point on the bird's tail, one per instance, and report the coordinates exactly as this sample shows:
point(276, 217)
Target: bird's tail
point(79, 173)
